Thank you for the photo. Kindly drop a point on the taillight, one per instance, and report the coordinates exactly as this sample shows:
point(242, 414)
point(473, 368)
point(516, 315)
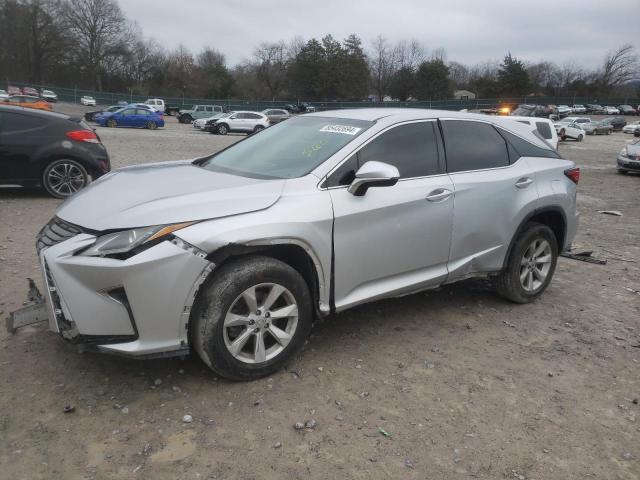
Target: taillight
point(83, 136)
point(573, 174)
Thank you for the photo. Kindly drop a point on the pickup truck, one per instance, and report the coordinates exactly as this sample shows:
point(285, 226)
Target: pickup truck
point(198, 111)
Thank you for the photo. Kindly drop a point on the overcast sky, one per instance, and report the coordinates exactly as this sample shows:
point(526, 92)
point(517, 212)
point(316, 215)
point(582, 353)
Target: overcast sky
point(471, 31)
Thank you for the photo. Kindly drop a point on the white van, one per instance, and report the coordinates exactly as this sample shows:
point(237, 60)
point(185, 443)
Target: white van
point(156, 103)
point(544, 126)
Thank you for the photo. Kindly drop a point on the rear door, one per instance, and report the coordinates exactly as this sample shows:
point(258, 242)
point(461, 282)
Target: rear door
point(127, 117)
point(493, 192)
point(392, 240)
point(21, 136)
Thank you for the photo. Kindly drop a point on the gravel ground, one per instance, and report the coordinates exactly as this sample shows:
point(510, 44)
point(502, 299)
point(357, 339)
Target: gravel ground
point(447, 384)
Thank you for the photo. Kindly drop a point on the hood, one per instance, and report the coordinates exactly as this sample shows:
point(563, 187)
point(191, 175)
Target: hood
point(163, 193)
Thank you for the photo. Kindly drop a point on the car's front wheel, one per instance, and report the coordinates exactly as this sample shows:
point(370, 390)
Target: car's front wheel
point(223, 129)
point(64, 177)
point(580, 137)
point(112, 123)
point(530, 265)
point(251, 317)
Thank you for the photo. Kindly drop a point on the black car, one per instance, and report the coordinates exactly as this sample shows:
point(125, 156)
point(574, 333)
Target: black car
point(90, 116)
point(616, 122)
point(595, 108)
point(302, 107)
point(542, 111)
point(60, 153)
point(627, 110)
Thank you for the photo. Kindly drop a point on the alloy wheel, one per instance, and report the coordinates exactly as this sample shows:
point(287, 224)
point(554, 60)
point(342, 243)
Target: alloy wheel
point(535, 265)
point(261, 322)
point(65, 179)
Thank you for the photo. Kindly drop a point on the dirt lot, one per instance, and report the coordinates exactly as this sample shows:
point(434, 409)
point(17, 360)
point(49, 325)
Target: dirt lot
point(465, 384)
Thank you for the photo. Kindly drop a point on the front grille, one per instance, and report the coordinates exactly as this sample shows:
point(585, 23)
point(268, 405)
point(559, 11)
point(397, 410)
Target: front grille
point(65, 325)
point(54, 232)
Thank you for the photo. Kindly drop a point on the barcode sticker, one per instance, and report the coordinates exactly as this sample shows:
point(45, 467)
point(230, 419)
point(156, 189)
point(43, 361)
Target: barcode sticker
point(346, 129)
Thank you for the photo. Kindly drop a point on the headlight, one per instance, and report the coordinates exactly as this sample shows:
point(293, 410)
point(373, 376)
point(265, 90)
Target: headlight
point(623, 152)
point(128, 240)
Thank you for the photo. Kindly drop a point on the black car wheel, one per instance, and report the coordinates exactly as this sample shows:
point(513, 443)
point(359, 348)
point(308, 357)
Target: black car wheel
point(186, 119)
point(112, 123)
point(64, 177)
point(223, 129)
point(580, 137)
point(152, 125)
point(258, 128)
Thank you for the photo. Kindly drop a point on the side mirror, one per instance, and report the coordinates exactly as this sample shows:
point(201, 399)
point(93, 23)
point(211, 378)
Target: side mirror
point(373, 174)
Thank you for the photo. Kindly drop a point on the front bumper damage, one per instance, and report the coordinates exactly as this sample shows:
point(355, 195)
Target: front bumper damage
point(136, 307)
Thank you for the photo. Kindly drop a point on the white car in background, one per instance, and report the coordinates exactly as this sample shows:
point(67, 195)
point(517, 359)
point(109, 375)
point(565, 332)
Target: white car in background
point(87, 100)
point(543, 126)
point(157, 104)
point(578, 109)
point(200, 123)
point(3, 94)
point(242, 121)
point(49, 96)
point(631, 127)
point(564, 110)
point(570, 128)
point(609, 110)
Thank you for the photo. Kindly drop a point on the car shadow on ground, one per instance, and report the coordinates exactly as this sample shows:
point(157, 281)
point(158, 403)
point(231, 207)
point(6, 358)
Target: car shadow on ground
point(11, 191)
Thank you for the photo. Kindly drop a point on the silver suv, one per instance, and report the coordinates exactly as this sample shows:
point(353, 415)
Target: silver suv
point(234, 255)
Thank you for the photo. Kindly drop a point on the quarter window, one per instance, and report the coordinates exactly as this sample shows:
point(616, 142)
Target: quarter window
point(545, 130)
point(473, 146)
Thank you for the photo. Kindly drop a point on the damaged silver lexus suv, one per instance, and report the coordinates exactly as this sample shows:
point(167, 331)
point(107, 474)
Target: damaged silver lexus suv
point(234, 255)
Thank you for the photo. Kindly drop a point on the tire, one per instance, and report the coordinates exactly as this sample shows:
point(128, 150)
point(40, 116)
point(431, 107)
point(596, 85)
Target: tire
point(223, 129)
point(580, 137)
point(64, 177)
point(230, 350)
point(510, 283)
point(563, 135)
point(112, 123)
point(258, 128)
point(152, 125)
point(186, 119)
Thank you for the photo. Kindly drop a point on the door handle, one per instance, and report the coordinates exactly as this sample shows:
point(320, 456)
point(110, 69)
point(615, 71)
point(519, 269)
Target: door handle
point(524, 182)
point(439, 195)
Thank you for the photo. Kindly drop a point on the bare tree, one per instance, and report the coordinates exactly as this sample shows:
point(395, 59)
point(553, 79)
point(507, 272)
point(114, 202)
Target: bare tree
point(409, 54)
point(271, 63)
point(620, 66)
point(382, 64)
point(100, 32)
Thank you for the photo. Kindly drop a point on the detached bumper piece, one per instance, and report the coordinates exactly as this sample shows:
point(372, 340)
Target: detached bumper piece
point(34, 312)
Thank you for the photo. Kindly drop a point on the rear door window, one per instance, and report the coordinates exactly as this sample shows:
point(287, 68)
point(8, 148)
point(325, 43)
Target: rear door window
point(473, 146)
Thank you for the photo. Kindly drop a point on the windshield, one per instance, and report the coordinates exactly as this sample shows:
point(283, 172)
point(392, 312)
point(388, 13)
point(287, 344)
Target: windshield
point(288, 150)
point(524, 111)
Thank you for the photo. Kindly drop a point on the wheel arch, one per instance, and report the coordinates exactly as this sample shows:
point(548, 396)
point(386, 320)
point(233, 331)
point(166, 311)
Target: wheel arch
point(294, 253)
point(551, 216)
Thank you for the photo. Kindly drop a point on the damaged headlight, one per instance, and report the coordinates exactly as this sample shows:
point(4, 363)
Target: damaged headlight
point(128, 240)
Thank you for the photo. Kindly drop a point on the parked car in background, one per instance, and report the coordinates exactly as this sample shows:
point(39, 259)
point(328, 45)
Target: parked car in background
point(302, 107)
point(563, 110)
point(569, 128)
point(51, 150)
point(595, 108)
point(198, 111)
point(3, 94)
point(616, 122)
point(629, 158)
point(122, 103)
point(627, 110)
point(157, 104)
point(577, 120)
point(596, 128)
point(578, 109)
point(241, 122)
point(609, 110)
point(543, 126)
point(32, 92)
point(276, 115)
point(90, 116)
point(87, 100)
point(201, 123)
point(543, 111)
point(13, 91)
point(631, 127)
point(49, 96)
point(240, 251)
point(131, 116)
point(28, 101)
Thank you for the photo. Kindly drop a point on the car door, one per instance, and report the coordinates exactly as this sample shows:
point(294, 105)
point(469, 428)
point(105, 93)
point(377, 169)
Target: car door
point(236, 122)
point(126, 117)
point(21, 136)
point(142, 117)
point(493, 191)
point(392, 240)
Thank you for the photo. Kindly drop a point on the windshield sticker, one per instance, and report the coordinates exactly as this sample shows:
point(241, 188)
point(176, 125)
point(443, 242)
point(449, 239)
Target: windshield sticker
point(346, 129)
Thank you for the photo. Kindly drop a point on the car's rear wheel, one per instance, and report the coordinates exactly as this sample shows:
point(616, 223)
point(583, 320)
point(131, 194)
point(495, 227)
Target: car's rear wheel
point(251, 317)
point(152, 125)
point(64, 177)
point(530, 266)
point(258, 128)
point(112, 123)
point(223, 129)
